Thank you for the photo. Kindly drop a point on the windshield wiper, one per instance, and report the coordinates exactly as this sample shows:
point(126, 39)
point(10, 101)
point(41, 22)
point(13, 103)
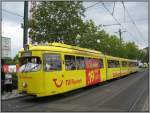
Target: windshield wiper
point(24, 68)
point(33, 67)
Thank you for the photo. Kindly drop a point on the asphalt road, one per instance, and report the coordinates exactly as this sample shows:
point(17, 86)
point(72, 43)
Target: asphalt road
point(130, 93)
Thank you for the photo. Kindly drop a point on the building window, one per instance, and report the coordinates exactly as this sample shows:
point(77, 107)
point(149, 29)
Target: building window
point(70, 62)
point(52, 62)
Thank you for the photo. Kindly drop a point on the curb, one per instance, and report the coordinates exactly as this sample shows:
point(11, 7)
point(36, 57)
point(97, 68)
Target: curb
point(13, 98)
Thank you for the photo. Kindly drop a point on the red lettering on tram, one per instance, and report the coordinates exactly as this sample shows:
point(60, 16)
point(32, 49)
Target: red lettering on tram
point(92, 71)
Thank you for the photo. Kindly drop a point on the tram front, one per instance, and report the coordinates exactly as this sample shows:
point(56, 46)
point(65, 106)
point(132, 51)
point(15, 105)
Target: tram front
point(30, 75)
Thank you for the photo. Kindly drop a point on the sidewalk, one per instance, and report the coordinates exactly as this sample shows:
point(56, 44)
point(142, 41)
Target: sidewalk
point(8, 95)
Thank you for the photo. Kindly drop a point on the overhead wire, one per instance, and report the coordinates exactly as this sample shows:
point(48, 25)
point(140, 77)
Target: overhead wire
point(113, 9)
point(110, 13)
point(119, 23)
point(142, 19)
point(91, 6)
point(12, 13)
point(133, 22)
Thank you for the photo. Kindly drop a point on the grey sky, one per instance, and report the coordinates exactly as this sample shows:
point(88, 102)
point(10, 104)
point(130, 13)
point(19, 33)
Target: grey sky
point(11, 24)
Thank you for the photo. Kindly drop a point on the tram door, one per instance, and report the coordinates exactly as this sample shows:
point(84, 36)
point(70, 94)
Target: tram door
point(72, 76)
point(53, 75)
point(103, 69)
point(70, 73)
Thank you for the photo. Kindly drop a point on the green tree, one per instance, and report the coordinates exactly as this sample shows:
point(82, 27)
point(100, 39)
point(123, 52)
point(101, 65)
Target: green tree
point(131, 50)
point(114, 45)
point(16, 59)
point(144, 55)
point(8, 61)
point(56, 21)
point(89, 37)
point(61, 21)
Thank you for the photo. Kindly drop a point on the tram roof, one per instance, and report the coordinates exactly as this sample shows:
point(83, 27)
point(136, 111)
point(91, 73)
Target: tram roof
point(112, 57)
point(59, 47)
point(119, 58)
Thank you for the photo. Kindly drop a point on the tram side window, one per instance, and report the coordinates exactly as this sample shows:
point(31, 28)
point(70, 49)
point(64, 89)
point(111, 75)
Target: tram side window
point(110, 64)
point(70, 62)
point(124, 64)
point(117, 64)
point(113, 64)
point(101, 63)
point(137, 64)
point(80, 63)
point(52, 62)
point(132, 64)
point(88, 63)
point(96, 63)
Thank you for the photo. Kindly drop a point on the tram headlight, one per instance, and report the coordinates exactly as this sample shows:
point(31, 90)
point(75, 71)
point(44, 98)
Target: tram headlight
point(24, 84)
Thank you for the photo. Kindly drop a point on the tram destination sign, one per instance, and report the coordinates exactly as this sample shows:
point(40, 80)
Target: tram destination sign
point(26, 54)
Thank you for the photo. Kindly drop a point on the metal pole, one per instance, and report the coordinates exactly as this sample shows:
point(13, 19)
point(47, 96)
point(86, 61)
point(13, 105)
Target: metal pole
point(1, 27)
point(25, 32)
point(120, 35)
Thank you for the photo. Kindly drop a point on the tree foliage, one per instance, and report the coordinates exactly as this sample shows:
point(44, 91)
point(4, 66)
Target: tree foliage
point(55, 21)
point(61, 21)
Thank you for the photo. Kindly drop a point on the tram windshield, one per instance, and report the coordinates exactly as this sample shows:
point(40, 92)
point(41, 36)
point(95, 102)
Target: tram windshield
point(29, 64)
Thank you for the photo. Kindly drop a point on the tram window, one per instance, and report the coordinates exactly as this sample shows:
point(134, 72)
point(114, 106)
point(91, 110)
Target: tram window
point(80, 63)
point(117, 64)
point(70, 62)
point(135, 64)
point(88, 63)
point(52, 62)
point(96, 63)
point(29, 64)
point(110, 64)
point(113, 64)
point(124, 64)
point(101, 63)
point(132, 64)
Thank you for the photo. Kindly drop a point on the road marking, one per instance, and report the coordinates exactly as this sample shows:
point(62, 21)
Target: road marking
point(138, 98)
point(145, 106)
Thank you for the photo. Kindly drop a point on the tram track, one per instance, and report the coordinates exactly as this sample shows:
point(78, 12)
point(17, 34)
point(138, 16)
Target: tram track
point(104, 97)
point(126, 98)
point(106, 89)
point(136, 100)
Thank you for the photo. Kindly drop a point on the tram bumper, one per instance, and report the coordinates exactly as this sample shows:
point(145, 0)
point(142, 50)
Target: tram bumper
point(30, 84)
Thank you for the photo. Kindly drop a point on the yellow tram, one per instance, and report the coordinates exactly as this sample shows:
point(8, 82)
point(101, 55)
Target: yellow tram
point(57, 68)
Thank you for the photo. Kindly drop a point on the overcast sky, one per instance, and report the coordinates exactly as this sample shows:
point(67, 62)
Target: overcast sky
point(11, 24)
